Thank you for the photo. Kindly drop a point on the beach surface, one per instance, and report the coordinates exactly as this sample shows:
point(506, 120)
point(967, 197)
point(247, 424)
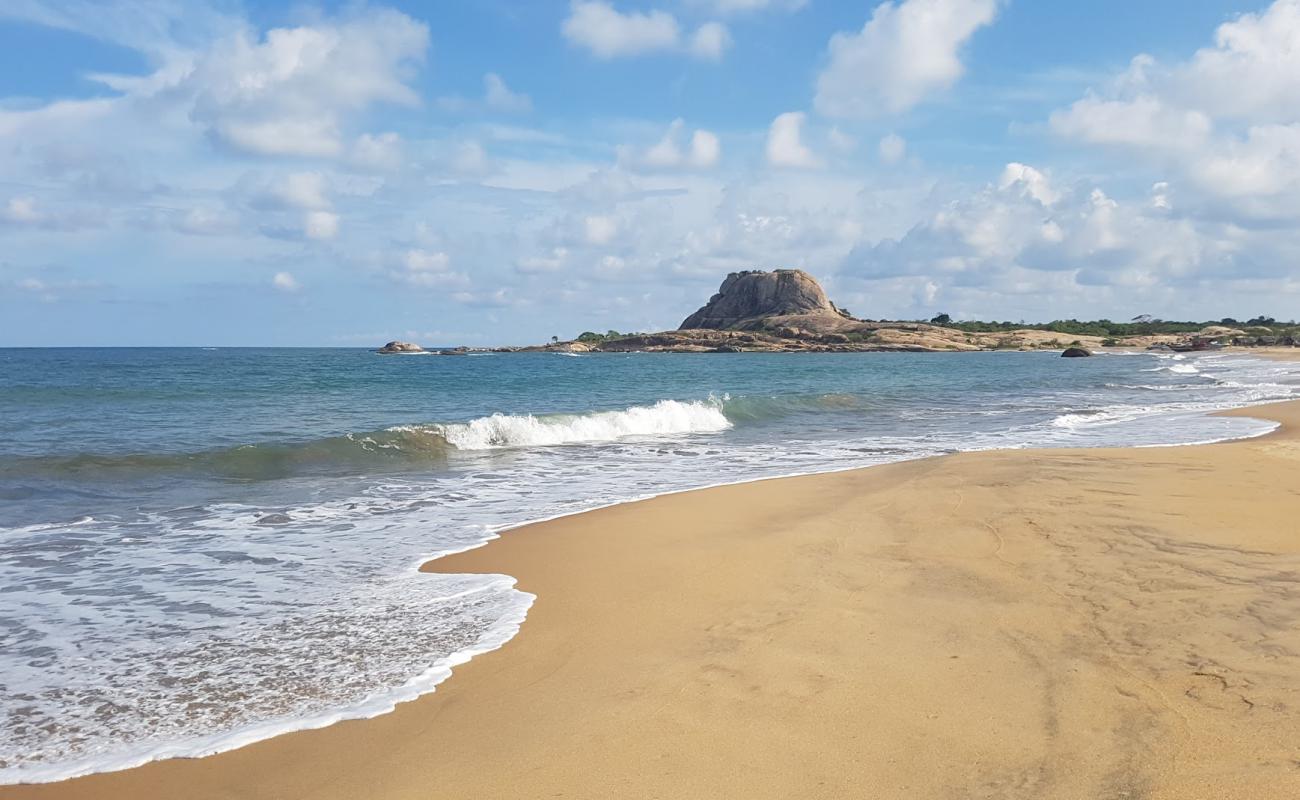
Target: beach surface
point(1016, 624)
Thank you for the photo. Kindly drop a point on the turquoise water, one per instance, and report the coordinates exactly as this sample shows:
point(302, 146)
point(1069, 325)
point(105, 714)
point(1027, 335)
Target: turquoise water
point(201, 548)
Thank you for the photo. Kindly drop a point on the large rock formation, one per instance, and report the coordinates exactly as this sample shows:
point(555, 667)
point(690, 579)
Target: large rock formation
point(757, 300)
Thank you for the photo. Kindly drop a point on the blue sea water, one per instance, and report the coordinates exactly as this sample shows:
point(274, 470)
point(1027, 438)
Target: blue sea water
point(200, 548)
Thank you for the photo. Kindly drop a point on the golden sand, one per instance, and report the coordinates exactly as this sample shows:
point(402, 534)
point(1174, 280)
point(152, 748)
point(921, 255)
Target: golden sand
point(1026, 624)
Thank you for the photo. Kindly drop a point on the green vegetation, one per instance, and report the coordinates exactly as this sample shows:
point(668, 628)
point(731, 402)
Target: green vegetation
point(591, 337)
point(1142, 326)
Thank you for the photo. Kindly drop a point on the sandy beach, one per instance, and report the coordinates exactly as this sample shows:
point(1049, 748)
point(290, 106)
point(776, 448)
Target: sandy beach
point(1022, 624)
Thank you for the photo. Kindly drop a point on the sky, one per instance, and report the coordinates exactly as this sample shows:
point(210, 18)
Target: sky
point(479, 172)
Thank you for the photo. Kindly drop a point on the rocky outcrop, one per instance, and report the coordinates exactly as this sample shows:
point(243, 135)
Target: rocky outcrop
point(757, 300)
point(786, 310)
point(1075, 352)
point(400, 347)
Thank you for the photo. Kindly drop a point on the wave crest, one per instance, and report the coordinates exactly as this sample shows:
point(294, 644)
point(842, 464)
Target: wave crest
point(666, 417)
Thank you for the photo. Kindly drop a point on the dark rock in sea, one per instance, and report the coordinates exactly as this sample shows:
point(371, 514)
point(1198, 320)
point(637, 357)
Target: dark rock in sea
point(1076, 352)
point(728, 348)
point(401, 347)
point(275, 519)
point(748, 299)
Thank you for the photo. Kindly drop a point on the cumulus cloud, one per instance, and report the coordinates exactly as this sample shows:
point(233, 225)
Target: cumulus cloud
point(609, 33)
point(702, 151)
point(1028, 182)
point(905, 52)
point(1023, 235)
point(785, 147)
point(293, 91)
point(1226, 121)
point(710, 41)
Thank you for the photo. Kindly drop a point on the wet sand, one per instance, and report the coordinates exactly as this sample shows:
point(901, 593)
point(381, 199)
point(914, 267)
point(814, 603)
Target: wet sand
point(1021, 624)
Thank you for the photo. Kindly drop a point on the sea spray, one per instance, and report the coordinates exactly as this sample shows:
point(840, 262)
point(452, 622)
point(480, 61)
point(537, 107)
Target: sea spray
point(664, 418)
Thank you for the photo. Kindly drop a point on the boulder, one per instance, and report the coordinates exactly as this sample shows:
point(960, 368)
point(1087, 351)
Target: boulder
point(1076, 352)
point(401, 347)
point(746, 299)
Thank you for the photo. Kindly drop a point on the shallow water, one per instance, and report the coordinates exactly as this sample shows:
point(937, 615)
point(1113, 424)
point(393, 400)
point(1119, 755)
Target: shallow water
point(201, 548)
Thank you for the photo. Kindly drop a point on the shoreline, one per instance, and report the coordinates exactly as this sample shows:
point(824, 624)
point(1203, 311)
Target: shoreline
point(286, 765)
point(422, 685)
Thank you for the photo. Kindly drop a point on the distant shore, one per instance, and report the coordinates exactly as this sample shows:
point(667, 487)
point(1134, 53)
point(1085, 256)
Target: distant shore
point(1074, 623)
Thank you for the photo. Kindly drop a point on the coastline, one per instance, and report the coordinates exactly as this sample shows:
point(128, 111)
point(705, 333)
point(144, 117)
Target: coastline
point(916, 627)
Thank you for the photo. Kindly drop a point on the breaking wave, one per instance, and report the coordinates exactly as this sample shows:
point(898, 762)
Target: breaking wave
point(666, 417)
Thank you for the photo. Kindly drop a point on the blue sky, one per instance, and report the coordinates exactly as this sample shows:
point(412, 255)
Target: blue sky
point(182, 173)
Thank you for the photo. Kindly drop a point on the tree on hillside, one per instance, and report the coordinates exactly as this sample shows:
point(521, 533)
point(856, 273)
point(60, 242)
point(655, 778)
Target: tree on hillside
point(941, 319)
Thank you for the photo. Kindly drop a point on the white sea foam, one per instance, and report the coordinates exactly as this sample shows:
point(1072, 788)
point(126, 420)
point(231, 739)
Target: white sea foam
point(666, 417)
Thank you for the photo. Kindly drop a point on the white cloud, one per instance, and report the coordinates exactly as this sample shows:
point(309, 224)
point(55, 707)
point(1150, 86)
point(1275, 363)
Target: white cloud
point(1028, 182)
point(785, 147)
point(320, 225)
point(892, 148)
point(705, 149)
point(710, 41)
point(1024, 236)
point(382, 151)
point(1226, 121)
point(668, 153)
point(1253, 70)
point(302, 190)
point(1143, 121)
point(609, 33)
point(499, 97)
point(285, 282)
point(428, 269)
point(905, 52)
point(599, 229)
point(293, 91)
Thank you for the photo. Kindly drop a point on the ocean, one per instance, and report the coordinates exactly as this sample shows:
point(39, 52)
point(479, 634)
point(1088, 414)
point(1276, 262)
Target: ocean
point(200, 548)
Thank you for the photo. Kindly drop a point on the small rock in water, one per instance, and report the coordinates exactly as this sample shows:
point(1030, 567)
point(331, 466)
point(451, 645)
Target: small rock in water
point(275, 519)
point(401, 347)
point(1076, 352)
